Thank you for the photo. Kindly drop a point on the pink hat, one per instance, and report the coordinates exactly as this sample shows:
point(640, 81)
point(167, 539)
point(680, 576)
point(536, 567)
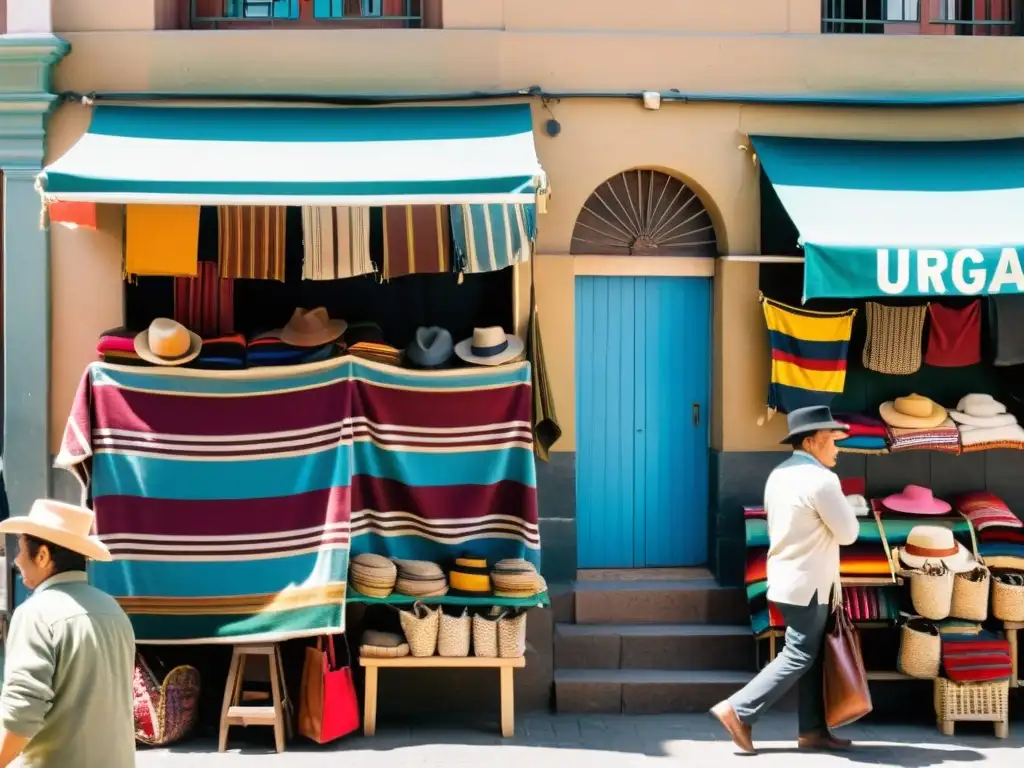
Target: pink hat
point(916, 500)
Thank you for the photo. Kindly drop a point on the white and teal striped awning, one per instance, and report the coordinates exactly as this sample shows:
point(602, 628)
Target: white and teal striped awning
point(300, 156)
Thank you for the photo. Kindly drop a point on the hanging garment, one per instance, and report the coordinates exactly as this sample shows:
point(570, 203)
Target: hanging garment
point(416, 240)
point(336, 242)
point(954, 336)
point(546, 430)
point(205, 303)
point(82, 215)
point(161, 240)
point(1006, 325)
point(808, 354)
point(492, 237)
point(893, 342)
point(251, 241)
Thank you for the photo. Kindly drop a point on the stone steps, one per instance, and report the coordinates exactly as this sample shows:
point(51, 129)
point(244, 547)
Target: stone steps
point(643, 691)
point(692, 601)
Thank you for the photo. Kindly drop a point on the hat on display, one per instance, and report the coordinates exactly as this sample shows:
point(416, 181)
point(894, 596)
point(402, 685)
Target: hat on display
point(912, 412)
point(372, 575)
point(860, 505)
point(375, 644)
point(311, 328)
point(490, 346)
point(979, 410)
point(916, 500)
point(932, 544)
point(64, 525)
point(420, 578)
point(167, 342)
point(814, 418)
point(516, 578)
point(470, 576)
point(430, 348)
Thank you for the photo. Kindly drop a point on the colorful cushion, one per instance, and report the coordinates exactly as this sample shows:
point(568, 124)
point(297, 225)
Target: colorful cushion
point(981, 659)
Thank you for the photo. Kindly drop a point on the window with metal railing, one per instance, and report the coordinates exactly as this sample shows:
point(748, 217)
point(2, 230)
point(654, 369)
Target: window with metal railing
point(397, 13)
point(922, 17)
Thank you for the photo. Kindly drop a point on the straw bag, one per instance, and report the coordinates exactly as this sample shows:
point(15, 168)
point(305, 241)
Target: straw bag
point(453, 635)
point(931, 591)
point(485, 636)
point(970, 595)
point(512, 636)
point(1008, 597)
point(893, 341)
point(920, 649)
point(420, 626)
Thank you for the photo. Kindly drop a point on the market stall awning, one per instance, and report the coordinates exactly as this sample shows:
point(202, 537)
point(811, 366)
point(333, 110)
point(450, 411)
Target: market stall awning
point(904, 218)
point(300, 156)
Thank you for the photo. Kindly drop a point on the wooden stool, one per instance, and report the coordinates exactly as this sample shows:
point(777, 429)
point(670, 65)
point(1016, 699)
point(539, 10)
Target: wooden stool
point(234, 712)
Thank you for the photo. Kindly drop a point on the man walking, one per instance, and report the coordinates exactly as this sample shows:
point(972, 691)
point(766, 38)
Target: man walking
point(67, 695)
point(809, 518)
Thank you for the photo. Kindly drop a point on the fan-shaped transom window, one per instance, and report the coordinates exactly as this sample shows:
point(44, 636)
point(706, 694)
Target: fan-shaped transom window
point(644, 213)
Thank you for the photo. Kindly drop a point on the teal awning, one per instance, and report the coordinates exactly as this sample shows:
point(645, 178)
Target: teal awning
point(300, 156)
point(881, 218)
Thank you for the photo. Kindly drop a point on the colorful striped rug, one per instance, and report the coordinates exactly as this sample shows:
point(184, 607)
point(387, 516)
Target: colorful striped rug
point(231, 500)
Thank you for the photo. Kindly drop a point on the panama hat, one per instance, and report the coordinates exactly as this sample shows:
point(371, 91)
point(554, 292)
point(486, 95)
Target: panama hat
point(806, 421)
point(167, 342)
point(935, 544)
point(912, 412)
point(312, 328)
point(430, 348)
point(489, 346)
point(62, 524)
point(916, 500)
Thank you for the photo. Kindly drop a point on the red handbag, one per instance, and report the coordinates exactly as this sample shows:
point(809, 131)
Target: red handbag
point(328, 706)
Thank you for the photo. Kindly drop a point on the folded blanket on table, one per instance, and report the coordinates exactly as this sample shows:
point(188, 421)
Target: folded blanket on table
point(866, 444)
point(985, 510)
point(268, 349)
point(117, 346)
point(862, 425)
point(990, 438)
point(756, 533)
point(223, 353)
point(754, 512)
point(1001, 536)
point(944, 438)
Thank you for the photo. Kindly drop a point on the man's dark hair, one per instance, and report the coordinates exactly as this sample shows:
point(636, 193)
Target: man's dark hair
point(798, 440)
point(64, 559)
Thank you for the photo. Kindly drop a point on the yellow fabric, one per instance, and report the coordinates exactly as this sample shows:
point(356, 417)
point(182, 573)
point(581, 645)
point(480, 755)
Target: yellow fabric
point(162, 240)
point(792, 375)
point(469, 582)
point(807, 325)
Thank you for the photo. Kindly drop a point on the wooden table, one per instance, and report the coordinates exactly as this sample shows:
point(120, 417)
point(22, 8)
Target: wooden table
point(505, 666)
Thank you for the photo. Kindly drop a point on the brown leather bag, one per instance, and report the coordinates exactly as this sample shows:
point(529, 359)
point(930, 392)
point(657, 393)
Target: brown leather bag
point(847, 697)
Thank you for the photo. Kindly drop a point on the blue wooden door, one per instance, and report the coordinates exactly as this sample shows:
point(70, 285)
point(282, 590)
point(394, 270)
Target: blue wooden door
point(643, 369)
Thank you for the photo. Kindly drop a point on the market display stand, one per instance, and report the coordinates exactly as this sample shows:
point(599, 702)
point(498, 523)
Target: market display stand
point(233, 712)
point(504, 665)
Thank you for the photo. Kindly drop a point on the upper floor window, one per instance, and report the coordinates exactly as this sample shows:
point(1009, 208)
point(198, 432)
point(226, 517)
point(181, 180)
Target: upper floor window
point(922, 17)
point(241, 13)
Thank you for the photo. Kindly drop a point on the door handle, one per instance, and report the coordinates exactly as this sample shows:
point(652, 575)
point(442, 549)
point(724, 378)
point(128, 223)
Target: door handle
point(696, 414)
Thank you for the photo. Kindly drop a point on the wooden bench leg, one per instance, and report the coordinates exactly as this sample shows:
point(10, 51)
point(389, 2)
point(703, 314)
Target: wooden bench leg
point(230, 693)
point(508, 704)
point(275, 693)
point(286, 702)
point(370, 702)
point(947, 727)
point(1003, 729)
point(1011, 636)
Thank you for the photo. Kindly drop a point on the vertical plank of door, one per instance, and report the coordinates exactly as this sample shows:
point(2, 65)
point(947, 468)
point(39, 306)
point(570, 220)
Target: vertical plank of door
point(619, 400)
point(639, 343)
point(585, 501)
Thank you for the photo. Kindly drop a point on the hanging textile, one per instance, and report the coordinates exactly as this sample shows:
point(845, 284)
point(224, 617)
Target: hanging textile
point(809, 352)
point(416, 240)
point(893, 344)
point(1006, 326)
point(251, 241)
point(205, 303)
point(82, 215)
point(161, 240)
point(954, 336)
point(489, 237)
point(546, 430)
point(336, 242)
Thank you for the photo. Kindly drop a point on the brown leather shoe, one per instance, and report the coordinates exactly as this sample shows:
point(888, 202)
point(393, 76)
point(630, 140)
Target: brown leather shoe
point(823, 742)
point(740, 733)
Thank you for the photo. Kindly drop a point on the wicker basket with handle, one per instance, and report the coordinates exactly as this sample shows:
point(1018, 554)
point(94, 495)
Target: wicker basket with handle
point(970, 595)
point(1008, 597)
point(920, 649)
point(512, 635)
point(454, 634)
point(485, 635)
point(420, 626)
point(931, 591)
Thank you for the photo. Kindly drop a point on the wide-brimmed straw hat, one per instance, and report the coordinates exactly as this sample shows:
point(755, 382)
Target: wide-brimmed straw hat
point(916, 500)
point(932, 544)
point(312, 328)
point(62, 524)
point(489, 346)
point(912, 412)
point(167, 342)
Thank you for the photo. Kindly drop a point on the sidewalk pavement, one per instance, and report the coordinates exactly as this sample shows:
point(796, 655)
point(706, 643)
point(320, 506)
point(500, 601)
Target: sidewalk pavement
point(562, 741)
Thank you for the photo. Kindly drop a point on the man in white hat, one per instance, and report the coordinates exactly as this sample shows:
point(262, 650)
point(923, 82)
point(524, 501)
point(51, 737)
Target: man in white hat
point(70, 657)
point(809, 518)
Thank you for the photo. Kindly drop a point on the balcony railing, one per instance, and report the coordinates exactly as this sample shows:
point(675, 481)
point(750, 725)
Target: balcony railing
point(374, 13)
point(922, 17)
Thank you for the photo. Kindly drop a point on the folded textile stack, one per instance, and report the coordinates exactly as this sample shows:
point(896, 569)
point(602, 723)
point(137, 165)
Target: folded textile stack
point(516, 577)
point(117, 346)
point(420, 578)
point(981, 658)
point(222, 353)
point(872, 603)
point(763, 615)
point(1000, 532)
point(867, 434)
point(916, 423)
point(984, 424)
point(267, 349)
point(372, 575)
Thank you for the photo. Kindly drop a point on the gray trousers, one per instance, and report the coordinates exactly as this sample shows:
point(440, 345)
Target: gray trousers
point(799, 662)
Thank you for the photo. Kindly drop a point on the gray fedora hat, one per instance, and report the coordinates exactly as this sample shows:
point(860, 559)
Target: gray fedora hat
point(430, 348)
point(814, 418)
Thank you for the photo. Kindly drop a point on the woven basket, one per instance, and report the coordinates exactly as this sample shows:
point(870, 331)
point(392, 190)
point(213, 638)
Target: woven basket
point(420, 626)
point(485, 636)
point(512, 636)
point(453, 636)
point(1008, 597)
point(970, 598)
point(920, 649)
point(957, 702)
point(931, 592)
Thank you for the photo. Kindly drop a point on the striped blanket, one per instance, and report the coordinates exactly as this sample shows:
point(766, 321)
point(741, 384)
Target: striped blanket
point(231, 500)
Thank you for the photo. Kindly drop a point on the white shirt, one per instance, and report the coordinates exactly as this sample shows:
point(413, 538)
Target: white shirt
point(809, 518)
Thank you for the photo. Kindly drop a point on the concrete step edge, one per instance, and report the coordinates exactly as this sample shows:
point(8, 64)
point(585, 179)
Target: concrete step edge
point(653, 630)
point(652, 677)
